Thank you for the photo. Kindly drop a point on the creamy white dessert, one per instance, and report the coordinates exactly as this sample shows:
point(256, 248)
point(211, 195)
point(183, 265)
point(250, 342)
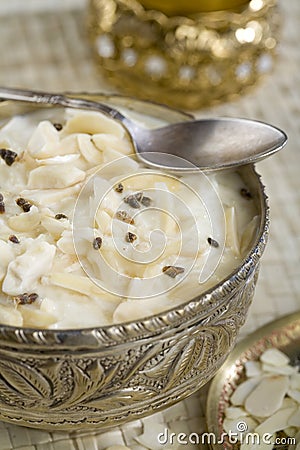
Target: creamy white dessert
point(89, 236)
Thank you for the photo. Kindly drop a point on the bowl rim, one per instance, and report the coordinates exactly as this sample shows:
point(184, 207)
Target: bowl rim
point(120, 333)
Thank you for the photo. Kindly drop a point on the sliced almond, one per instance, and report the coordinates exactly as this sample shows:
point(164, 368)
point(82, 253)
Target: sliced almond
point(60, 159)
point(80, 284)
point(106, 141)
point(243, 390)
point(25, 270)
point(44, 142)
point(232, 235)
point(294, 394)
point(7, 255)
point(88, 150)
point(11, 316)
point(253, 369)
point(274, 357)
point(276, 422)
point(35, 318)
point(55, 227)
point(66, 243)
point(232, 425)
point(267, 396)
point(249, 234)
point(289, 403)
point(280, 370)
point(233, 412)
point(294, 419)
point(26, 221)
point(91, 122)
point(295, 381)
point(55, 176)
point(49, 196)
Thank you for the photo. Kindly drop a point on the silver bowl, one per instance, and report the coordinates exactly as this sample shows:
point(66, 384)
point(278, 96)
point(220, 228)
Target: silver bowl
point(79, 379)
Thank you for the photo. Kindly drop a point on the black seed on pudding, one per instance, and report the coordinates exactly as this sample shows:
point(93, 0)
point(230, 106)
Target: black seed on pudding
point(213, 242)
point(172, 271)
point(132, 201)
point(124, 217)
point(26, 299)
point(14, 239)
point(60, 216)
point(130, 237)
point(246, 194)
point(58, 126)
point(97, 242)
point(24, 204)
point(119, 188)
point(8, 156)
point(146, 201)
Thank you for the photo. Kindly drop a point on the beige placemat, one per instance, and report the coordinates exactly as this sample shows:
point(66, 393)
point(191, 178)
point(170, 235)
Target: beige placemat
point(43, 45)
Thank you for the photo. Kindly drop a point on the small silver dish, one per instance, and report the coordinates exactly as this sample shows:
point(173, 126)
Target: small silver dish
point(283, 334)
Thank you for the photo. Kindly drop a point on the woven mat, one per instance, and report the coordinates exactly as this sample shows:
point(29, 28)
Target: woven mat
point(43, 45)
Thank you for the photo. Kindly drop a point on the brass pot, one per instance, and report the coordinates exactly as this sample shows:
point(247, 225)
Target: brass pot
point(180, 55)
point(101, 377)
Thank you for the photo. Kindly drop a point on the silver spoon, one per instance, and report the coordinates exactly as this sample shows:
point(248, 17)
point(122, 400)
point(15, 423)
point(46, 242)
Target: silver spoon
point(206, 144)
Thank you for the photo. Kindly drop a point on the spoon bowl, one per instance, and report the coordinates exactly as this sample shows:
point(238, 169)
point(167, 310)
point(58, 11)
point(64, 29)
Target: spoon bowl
point(205, 144)
point(208, 144)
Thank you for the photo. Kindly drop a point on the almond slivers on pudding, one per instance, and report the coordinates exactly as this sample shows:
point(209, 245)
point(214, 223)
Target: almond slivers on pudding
point(90, 237)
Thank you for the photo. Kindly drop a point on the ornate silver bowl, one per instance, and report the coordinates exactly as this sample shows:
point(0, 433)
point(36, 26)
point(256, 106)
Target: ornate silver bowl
point(78, 379)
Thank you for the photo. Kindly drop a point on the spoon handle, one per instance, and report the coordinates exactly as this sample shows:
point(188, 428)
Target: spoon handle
point(58, 99)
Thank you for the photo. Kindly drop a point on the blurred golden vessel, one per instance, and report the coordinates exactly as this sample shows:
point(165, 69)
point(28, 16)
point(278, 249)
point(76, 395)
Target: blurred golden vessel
point(187, 54)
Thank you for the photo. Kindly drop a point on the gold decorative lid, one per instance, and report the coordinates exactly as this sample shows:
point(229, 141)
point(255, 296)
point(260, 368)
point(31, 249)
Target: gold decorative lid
point(173, 7)
point(187, 60)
